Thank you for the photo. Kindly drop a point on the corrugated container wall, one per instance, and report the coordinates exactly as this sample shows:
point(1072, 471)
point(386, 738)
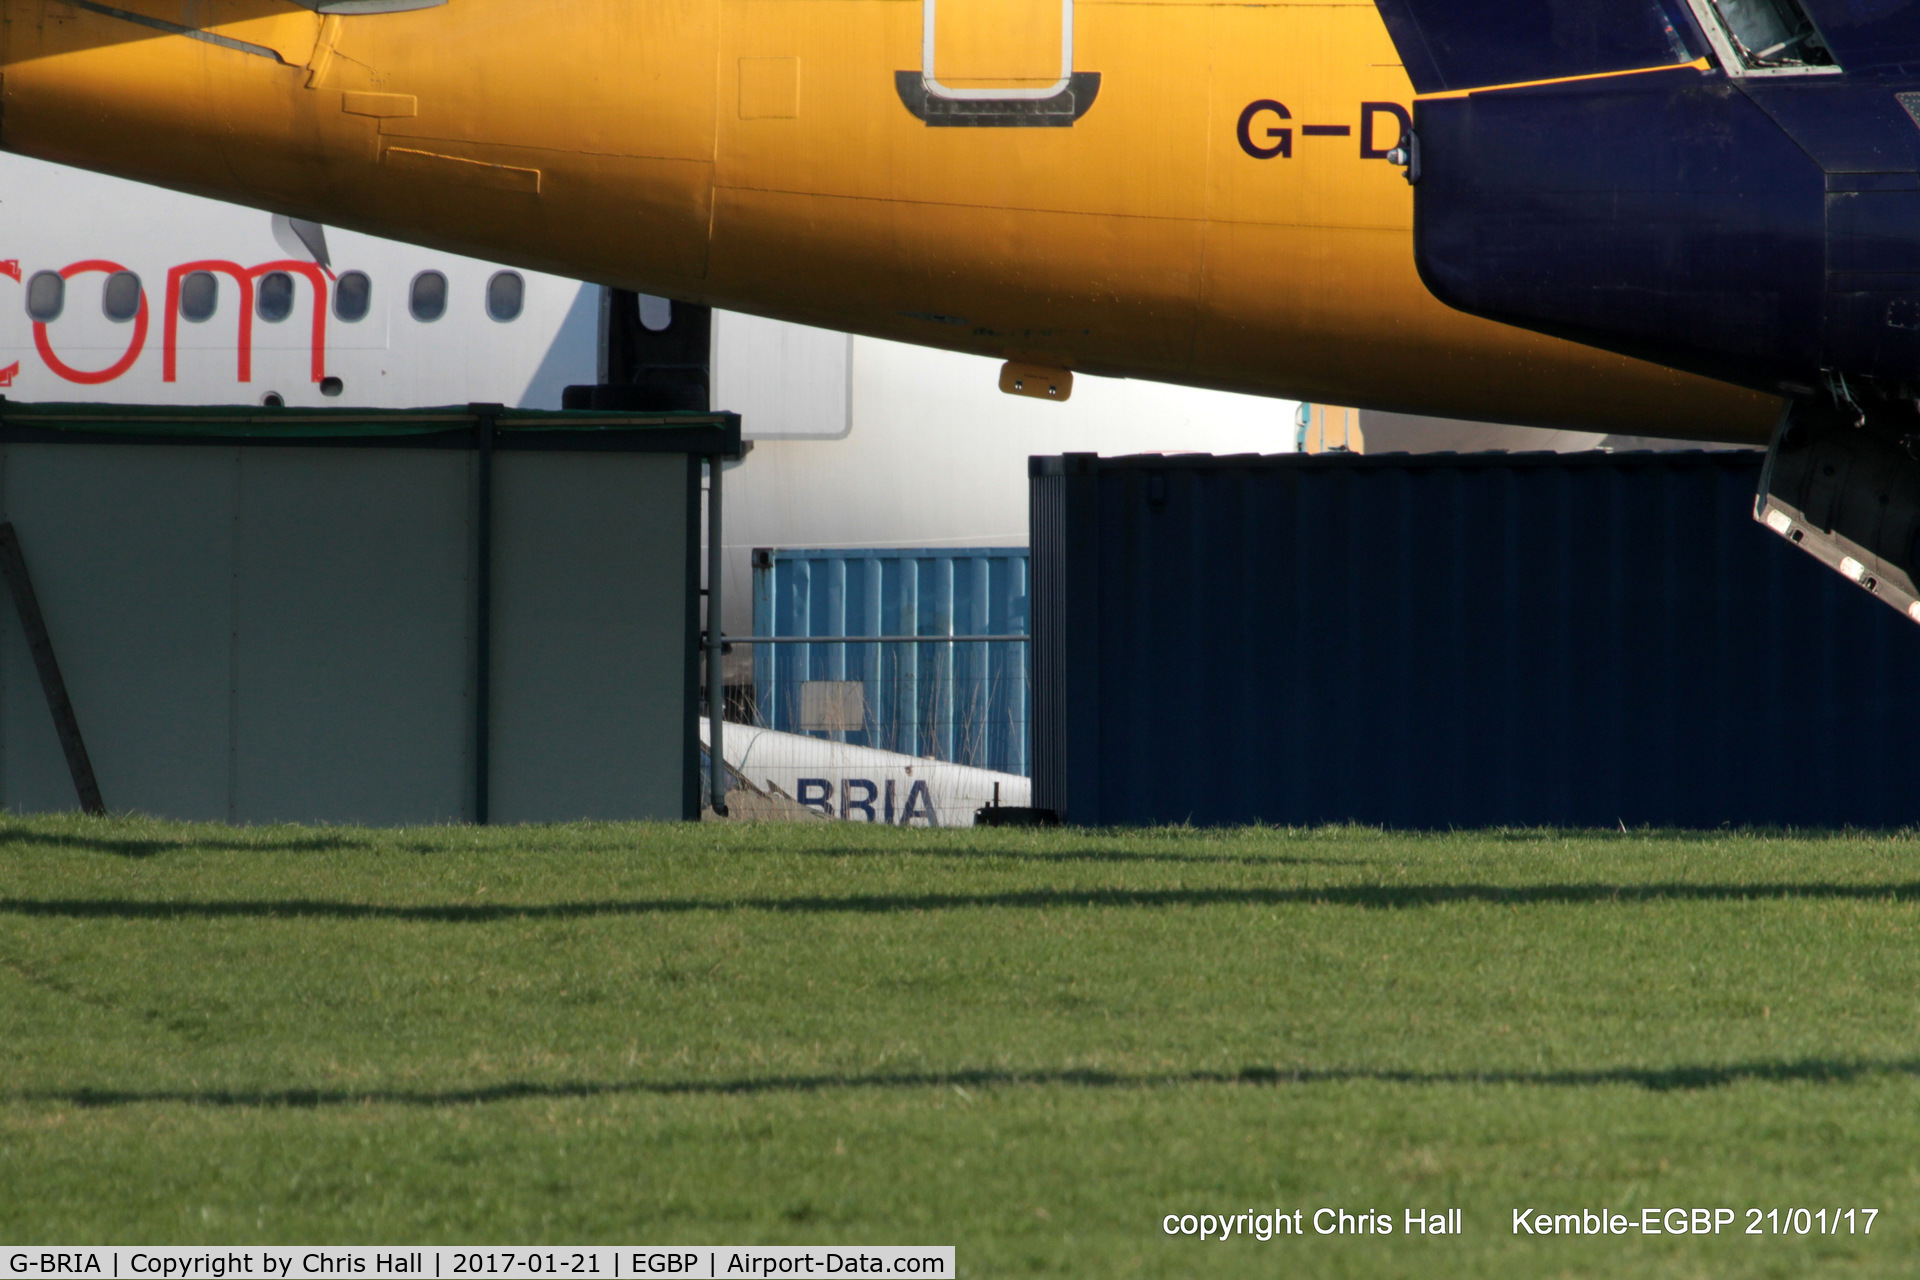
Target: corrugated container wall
point(965, 703)
point(1455, 640)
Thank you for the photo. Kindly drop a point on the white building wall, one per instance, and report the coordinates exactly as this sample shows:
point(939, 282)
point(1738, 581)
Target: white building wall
point(937, 455)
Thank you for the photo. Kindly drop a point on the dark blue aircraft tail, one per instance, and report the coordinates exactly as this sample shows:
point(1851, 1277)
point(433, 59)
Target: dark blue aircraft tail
point(1729, 187)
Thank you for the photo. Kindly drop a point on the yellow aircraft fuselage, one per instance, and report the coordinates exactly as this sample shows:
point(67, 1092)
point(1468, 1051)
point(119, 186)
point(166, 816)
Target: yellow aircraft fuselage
point(1185, 191)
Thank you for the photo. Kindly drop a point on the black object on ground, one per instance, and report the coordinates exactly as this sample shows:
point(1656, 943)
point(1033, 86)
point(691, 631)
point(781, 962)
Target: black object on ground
point(1009, 815)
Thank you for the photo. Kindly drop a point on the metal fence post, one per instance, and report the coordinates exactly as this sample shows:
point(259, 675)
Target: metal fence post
point(716, 686)
point(483, 429)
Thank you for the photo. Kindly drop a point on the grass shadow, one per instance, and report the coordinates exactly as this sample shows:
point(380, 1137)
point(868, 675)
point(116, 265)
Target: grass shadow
point(1367, 897)
point(1685, 1077)
point(152, 846)
point(1090, 854)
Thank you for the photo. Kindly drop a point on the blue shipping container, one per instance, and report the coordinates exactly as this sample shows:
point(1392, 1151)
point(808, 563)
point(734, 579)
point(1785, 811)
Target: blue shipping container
point(1576, 640)
point(966, 702)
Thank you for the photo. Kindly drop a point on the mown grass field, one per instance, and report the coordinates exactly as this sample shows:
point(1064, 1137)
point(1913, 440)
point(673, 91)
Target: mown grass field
point(1031, 1045)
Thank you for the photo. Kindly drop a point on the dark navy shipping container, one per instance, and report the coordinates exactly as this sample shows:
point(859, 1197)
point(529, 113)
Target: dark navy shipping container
point(1454, 641)
point(962, 702)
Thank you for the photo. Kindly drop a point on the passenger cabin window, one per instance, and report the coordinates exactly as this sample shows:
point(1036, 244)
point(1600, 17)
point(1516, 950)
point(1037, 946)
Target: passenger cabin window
point(655, 313)
point(120, 300)
point(1765, 35)
point(352, 296)
point(274, 301)
point(506, 295)
point(199, 296)
point(46, 296)
point(427, 300)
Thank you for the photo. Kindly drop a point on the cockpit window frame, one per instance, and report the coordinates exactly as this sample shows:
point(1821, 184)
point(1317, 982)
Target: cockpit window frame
point(1736, 60)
